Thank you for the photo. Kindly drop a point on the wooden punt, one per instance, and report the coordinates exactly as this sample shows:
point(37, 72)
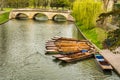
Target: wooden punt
point(49, 44)
point(66, 45)
point(79, 44)
point(69, 49)
point(63, 38)
point(63, 41)
point(52, 45)
point(57, 38)
point(76, 57)
point(52, 48)
point(50, 41)
point(67, 55)
point(102, 62)
point(51, 51)
point(59, 55)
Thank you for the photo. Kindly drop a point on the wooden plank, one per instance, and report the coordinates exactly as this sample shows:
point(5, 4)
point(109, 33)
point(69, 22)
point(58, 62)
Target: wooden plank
point(112, 58)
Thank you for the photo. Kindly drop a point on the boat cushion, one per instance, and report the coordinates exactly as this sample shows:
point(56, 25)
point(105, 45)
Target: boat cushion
point(83, 51)
point(100, 59)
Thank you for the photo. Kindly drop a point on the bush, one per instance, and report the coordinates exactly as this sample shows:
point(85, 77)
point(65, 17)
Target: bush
point(86, 12)
point(4, 17)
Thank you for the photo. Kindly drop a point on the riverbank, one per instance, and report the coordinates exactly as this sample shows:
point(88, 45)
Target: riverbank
point(4, 17)
point(87, 38)
point(95, 35)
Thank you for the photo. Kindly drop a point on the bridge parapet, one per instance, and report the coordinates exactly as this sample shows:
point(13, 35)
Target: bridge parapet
point(41, 10)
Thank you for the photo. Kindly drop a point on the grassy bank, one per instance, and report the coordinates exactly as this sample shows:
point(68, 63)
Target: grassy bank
point(8, 9)
point(4, 17)
point(95, 35)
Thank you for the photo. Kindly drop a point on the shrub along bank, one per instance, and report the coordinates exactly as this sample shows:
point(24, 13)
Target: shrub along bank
point(95, 35)
point(86, 12)
point(4, 17)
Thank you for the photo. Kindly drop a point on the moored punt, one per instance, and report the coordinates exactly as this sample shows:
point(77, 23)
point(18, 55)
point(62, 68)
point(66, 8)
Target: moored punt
point(64, 41)
point(102, 62)
point(59, 55)
point(50, 45)
point(50, 41)
point(51, 48)
point(66, 55)
point(67, 50)
point(55, 38)
point(63, 38)
point(67, 46)
point(75, 57)
point(51, 51)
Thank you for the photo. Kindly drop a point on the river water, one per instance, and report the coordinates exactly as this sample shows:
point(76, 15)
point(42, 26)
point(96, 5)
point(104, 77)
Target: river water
point(22, 53)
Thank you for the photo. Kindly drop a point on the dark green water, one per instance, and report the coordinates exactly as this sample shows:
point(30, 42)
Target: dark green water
point(22, 49)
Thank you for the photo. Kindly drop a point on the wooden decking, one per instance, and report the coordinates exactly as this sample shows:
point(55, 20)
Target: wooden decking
point(113, 59)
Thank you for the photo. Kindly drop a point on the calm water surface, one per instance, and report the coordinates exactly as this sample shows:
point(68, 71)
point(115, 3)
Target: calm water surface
point(22, 49)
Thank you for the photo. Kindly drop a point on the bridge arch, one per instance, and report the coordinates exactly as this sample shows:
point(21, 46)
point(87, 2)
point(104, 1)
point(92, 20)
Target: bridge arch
point(40, 16)
point(59, 17)
point(21, 15)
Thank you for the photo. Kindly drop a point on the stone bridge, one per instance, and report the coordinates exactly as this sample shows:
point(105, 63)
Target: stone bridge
point(31, 13)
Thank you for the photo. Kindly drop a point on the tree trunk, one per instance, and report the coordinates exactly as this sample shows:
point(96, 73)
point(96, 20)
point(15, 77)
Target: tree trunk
point(2, 4)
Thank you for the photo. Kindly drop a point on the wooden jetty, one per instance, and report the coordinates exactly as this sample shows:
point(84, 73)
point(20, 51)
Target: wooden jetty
point(112, 58)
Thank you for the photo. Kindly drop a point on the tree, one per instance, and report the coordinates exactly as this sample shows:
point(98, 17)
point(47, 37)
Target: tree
point(45, 3)
point(108, 4)
point(36, 3)
point(60, 3)
point(2, 4)
point(86, 12)
point(71, 4)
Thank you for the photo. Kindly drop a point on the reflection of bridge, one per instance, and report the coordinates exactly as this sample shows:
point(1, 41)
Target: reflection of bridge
point(31, 13)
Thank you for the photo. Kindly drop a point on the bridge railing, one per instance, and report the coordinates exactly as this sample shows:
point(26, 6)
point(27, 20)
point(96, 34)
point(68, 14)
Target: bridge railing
point(41, 10)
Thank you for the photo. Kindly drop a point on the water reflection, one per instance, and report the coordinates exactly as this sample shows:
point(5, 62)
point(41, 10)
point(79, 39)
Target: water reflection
point(21, 16)
point(59, 18)
point(22, 53)
point(40, 17)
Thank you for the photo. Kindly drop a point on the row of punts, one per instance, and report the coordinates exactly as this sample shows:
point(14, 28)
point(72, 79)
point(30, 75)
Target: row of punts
point(69, 50)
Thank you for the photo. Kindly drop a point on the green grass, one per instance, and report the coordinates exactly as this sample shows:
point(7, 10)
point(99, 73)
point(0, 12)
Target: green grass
point(95, 35)
point(8, 9)
point(4, 17)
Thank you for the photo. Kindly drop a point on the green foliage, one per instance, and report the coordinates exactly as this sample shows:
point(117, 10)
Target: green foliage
point(37, 3)
point(7, 9)
point(86, 12)
point(95, 35)
point(60, 3)
point(4, 17)
point(113, 39)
